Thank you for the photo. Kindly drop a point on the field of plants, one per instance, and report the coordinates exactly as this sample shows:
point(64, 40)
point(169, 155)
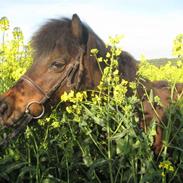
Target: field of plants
point(96, 140)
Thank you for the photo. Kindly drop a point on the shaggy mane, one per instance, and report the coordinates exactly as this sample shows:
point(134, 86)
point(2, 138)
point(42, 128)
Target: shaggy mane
point(53, 31)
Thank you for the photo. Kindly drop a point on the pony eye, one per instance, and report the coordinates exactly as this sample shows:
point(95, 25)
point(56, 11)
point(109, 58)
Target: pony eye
point(57, 65)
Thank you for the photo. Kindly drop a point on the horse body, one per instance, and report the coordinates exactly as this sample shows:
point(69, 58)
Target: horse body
point(157, 111)
point(63, 62)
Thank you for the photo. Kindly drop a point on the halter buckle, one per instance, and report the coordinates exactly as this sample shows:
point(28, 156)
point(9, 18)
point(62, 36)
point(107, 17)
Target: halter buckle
point(27, 110)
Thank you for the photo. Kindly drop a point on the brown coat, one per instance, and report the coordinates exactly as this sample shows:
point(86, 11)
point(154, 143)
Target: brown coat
point(152, 110)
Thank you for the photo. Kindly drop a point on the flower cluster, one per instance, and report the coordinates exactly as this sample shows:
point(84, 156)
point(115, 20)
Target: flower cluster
point(15, 56)
point(166, 166)
point(4, 24)
point(178, 46)
point(75, 99)
point(171, 71)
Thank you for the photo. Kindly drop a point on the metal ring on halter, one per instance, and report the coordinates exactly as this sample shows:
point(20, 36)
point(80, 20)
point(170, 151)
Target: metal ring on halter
point(28, 111)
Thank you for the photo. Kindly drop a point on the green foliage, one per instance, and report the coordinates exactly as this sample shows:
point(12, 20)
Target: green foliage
point(15, 56)
point(4, 24)
point(97, 137)
point(170, 72)
point(178, 46)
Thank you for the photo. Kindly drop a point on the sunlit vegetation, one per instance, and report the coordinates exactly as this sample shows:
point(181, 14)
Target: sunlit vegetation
point(95, 139)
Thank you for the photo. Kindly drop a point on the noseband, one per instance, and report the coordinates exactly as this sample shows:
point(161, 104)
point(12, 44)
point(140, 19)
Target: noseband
point(67, 77)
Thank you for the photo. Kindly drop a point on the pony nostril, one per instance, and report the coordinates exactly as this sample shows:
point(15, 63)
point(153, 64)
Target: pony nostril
point(3, 107)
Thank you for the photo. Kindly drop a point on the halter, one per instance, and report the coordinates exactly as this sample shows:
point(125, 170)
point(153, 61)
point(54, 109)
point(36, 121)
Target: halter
point(67, 77)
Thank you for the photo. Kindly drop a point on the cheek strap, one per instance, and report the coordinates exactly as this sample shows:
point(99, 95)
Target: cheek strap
point(79, 66)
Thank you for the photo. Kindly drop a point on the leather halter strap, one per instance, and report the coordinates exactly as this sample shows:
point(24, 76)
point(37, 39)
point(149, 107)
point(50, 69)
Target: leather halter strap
point(67, 78)
point(35, 85)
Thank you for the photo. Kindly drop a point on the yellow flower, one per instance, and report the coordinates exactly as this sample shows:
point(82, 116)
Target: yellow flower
point(158, 101)
point(64, 97)
point(171, 169)
point(179, 63)
point(55, 124)
point(28, 132)
point(96, 99)
point(108, 55)
point(163, 174)
point(80, 96)
point(4, 24)
point(67, 96)
point(69, 109)
point(115, 40)
point(100, 59)
point(167, 165)
point(116, 72)
point(133, 85)
point(71, 94)
point(94, 51)
point(124, 82)
point(118, 51)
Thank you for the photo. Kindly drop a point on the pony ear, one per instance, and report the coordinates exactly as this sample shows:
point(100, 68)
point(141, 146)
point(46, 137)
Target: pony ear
point(76, 27)
point(93, 43)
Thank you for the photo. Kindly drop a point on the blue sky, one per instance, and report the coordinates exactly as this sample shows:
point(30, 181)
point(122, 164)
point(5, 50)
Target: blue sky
point(149, 26)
